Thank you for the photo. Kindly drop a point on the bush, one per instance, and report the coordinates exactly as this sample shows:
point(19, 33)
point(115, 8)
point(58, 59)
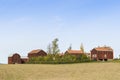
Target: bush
point(57, 59)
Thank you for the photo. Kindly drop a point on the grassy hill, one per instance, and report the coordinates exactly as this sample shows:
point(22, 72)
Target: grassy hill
point(83, 71)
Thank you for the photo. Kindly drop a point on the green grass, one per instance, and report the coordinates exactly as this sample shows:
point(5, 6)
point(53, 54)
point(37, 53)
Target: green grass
point(81, 71)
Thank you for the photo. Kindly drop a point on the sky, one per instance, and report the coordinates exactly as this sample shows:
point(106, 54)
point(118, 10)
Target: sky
point(26, 25)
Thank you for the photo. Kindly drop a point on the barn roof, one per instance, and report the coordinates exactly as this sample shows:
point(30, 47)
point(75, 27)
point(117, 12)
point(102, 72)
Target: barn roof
point(74, 51)
point(35, 51)
point(103, 49)
point(12, 54)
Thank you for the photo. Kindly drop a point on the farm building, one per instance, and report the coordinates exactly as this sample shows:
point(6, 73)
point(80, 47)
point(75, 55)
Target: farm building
point(24, 60)
point(102, 53)
point(16, 59)
point(36, 53)
point(74, 52)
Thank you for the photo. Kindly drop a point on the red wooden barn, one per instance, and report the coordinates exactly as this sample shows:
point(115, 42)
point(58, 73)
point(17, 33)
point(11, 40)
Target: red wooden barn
point(36, 53)
point(102, 53)
point(74, 52)
point(14, 59)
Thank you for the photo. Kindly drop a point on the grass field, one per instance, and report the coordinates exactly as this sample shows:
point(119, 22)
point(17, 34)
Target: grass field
point(83, 71)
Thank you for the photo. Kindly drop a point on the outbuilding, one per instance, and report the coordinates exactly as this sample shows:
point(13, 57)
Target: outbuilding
point(37, 53)
point(74, 52)
point(102, 53)
point(14, 59)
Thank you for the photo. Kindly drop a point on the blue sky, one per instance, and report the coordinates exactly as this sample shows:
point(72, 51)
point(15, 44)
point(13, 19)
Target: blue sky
point(32, 24)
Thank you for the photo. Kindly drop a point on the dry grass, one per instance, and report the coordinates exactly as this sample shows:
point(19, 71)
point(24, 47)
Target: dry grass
point(83, 71)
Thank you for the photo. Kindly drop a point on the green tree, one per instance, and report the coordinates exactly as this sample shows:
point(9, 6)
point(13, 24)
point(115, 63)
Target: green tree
point(69, 58)
point(82, 47)
point(84, 58)
point(55, 48)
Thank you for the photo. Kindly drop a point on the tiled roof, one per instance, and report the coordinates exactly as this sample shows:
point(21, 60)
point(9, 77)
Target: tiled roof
point(74, 51)
point(104, 49)
point(35, 51)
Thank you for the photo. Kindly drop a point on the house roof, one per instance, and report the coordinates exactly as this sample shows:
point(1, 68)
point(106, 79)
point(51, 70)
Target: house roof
point(35, 51)
point(103, 49)
point(74, 51)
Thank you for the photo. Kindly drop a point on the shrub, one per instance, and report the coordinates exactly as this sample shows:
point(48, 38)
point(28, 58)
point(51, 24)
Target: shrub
point(57, 59)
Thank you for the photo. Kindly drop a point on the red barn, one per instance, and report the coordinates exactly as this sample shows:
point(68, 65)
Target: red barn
point(102, 53)
point(14, 59)
point(36, 53)
point(74, 52)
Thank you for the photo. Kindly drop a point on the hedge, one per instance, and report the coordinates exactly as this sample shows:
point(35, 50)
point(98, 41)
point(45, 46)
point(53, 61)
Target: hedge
point(56, 59)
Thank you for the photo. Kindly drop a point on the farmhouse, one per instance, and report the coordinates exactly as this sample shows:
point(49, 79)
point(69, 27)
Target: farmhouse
point(36, 53)
point(74, 52)
point(102, 53)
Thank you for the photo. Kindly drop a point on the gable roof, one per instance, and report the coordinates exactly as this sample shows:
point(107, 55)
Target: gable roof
point(11, 55)
point(35, 51)
point(74, 51)
point(103, 49)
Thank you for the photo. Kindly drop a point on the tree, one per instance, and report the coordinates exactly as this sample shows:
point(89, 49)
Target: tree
point(49, 49)
point(70, 47)
point(82, 48)
point(55, 48)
